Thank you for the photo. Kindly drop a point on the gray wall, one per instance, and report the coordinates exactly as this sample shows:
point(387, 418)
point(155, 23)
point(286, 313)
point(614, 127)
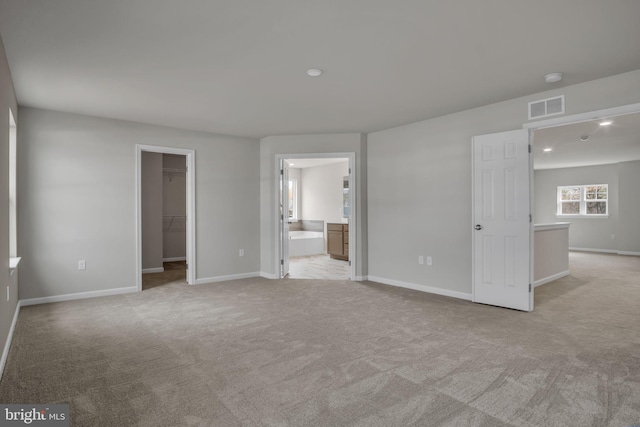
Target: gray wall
point(151, 201)
point(595, 233)
point(293, 144)
point(420, 183)
point(76, 183)
point(322, 192)
point(7, 102)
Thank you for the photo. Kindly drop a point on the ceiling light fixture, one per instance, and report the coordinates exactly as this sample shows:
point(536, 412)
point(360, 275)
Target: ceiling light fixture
point(584, 138)
point(553, 77)
point(546, 150)
point(314, 72)
point(606, 123)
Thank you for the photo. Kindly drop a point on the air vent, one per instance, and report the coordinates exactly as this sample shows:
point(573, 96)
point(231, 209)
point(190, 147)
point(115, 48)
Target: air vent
point(546, 107)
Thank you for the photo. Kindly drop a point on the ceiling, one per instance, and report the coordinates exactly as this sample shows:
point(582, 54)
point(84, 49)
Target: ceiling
point(618, 142)
point(238, 66)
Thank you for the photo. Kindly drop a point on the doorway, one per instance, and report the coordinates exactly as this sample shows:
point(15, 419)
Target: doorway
point(316, 218)
point(165, 215)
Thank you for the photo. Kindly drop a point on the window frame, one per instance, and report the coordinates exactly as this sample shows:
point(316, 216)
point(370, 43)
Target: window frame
point(582, 200)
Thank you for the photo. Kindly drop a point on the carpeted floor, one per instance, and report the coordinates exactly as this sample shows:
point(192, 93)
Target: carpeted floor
point(332, 353)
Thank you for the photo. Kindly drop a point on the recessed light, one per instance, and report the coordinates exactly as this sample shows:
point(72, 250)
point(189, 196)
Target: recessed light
point(314, 72)
point(553, 77)
point(584, 138)
point(606, 123)
point(546, 150)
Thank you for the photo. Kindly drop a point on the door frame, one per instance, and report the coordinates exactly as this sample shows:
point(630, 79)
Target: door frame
point(191, 208)
point(351, 156)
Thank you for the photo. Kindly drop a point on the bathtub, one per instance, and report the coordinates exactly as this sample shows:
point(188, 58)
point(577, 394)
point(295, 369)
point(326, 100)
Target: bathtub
point(303, 243)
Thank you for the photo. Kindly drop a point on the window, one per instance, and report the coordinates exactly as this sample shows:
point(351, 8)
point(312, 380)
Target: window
point(293, 198)
point(583, 200)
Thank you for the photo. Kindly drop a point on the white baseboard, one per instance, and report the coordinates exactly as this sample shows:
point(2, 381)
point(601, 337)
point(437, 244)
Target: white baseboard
point(422, 288)
point(361, 278)
point(269, 275)
point(153, 270)
point(629, 253)
point(179, 258)
point(79, 295)
point(605, 251)
point(7, 344)
point(204, 280)
point(550, 278)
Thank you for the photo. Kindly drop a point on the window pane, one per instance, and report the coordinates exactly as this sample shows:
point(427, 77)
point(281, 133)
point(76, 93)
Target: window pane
point(602, 192)
point(590, 192)
point(570, 193)
point(596, 208)
point(570, 208)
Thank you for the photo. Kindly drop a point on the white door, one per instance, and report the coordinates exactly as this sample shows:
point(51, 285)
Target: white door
point(284, 218)
point(502, 221)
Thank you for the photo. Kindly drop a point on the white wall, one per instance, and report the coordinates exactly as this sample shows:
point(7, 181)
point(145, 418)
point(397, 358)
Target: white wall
point(595, 233)
point(420, 183)
point(7, 102)
point(151, 204)
point(76, 184)
point(322, 193)
point(292, 144)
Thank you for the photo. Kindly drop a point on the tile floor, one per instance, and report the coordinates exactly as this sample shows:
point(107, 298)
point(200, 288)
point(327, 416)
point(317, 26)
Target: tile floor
point(318, 267)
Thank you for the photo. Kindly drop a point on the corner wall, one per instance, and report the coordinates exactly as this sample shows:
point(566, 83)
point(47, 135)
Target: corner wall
point(76, 186)
point(420, 184)
point(7, 102)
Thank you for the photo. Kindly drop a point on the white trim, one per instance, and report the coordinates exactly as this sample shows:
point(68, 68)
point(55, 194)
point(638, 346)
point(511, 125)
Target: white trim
point(79, 295)
point(550, 278)
point(605, 251)
point(551, 226)
point(269, 275)
point(191, 208)
point(153, 270)
point(205, 280)
point(584, 117)
point(174, 259)
point(352, 221)
point(7, 344)
point(361, 278)
point(422, 288)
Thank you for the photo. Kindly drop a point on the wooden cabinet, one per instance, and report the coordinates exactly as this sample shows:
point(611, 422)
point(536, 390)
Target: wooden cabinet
point(338, 241)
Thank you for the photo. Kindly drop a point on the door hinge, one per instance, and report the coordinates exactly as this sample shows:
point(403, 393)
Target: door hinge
point(349, 262)
point(187, 266)
point(281, 262)
point(530, 219)
point(529, 148)
point(349, 171)
point(281, 171)
point(529, 287)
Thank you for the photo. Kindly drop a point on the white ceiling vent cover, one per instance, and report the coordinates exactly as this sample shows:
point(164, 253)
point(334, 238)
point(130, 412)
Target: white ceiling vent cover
point(546, 107)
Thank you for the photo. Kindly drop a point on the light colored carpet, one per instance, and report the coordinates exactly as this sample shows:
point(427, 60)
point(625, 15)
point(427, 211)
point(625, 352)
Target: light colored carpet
point(331, 353)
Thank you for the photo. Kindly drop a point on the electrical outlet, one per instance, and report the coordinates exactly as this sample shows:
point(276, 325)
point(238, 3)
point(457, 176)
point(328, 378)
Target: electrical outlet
point(241, 252)
point(82, 265)
point(429, 260)
point(420, 259)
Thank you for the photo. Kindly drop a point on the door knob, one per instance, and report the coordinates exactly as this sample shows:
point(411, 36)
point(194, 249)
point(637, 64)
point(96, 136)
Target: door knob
point(478, 227)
